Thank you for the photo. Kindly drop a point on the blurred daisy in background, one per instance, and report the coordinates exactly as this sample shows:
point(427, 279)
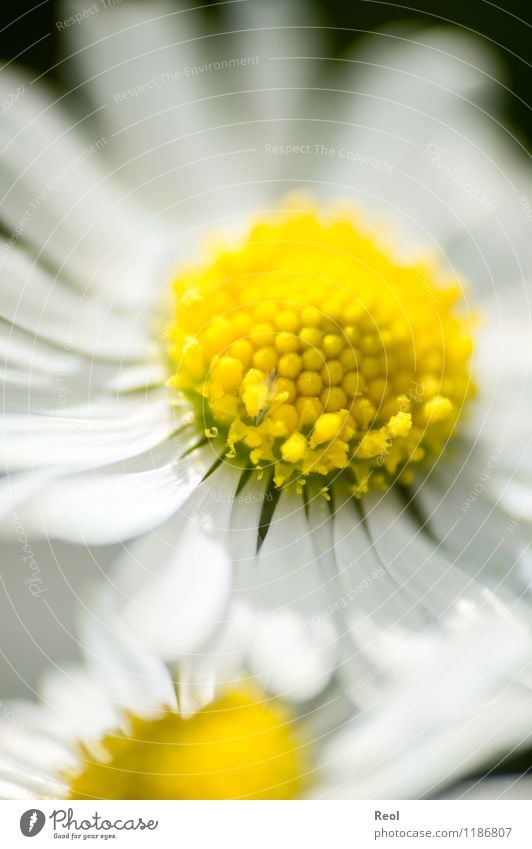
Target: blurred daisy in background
point(183, 350)
point(122, 724)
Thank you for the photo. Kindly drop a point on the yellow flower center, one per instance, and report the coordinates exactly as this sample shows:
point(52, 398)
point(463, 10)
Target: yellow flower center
point(308, 348)
point(239, 747)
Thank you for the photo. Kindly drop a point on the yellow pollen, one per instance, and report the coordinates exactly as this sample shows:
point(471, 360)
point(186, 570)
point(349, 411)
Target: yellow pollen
point(308, 349)
point(241, 746)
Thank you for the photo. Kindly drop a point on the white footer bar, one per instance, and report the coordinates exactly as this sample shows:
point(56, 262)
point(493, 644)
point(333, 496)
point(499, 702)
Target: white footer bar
point(269, 825)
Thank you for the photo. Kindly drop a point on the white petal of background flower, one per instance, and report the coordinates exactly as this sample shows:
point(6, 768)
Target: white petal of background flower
point(439, 722)
point(436, 724)
point(196, 582)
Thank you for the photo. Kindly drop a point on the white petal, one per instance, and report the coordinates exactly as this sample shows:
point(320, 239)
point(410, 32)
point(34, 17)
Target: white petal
point(243, 538)
point(286, 572)
point(419, 120)
point(276, 84)
point(370, 591)
point(56, 195)
point(34, 749)
point(135, 678)
point(110, 506)
point(140, 377)
point(498, 423)
point(10, 789)
point(391, 573)
point(293, 658)
point(51, 308)
point(369, 597)
point(143, 560)
point(182, 604)
point(475, 530)
point(83, 441)
point(203, 675)
point(75, 705)
point(423, 573)
point(196, 686)
point(456, 710)
point(15, 489)
point(175, 138)
point(20, 783)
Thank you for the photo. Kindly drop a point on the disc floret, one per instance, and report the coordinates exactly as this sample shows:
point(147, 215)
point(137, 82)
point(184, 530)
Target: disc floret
point(309, 349)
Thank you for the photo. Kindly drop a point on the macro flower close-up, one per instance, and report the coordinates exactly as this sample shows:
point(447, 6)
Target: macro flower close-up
point(266, 339)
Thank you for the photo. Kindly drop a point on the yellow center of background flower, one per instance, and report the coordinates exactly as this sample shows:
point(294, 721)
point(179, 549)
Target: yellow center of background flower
point(310, 349)
point(239, 747)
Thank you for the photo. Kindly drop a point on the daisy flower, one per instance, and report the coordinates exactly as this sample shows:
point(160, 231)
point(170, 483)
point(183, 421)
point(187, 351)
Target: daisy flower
point(184, 350)
point(120, 725)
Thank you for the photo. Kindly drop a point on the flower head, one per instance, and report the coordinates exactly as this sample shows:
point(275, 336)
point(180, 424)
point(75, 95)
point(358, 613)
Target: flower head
point(241, 746)
point(119, 725)
point(309, 350)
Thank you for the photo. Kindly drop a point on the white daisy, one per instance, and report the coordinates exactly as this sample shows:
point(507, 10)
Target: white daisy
point(122, 725)
point(286, 385)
